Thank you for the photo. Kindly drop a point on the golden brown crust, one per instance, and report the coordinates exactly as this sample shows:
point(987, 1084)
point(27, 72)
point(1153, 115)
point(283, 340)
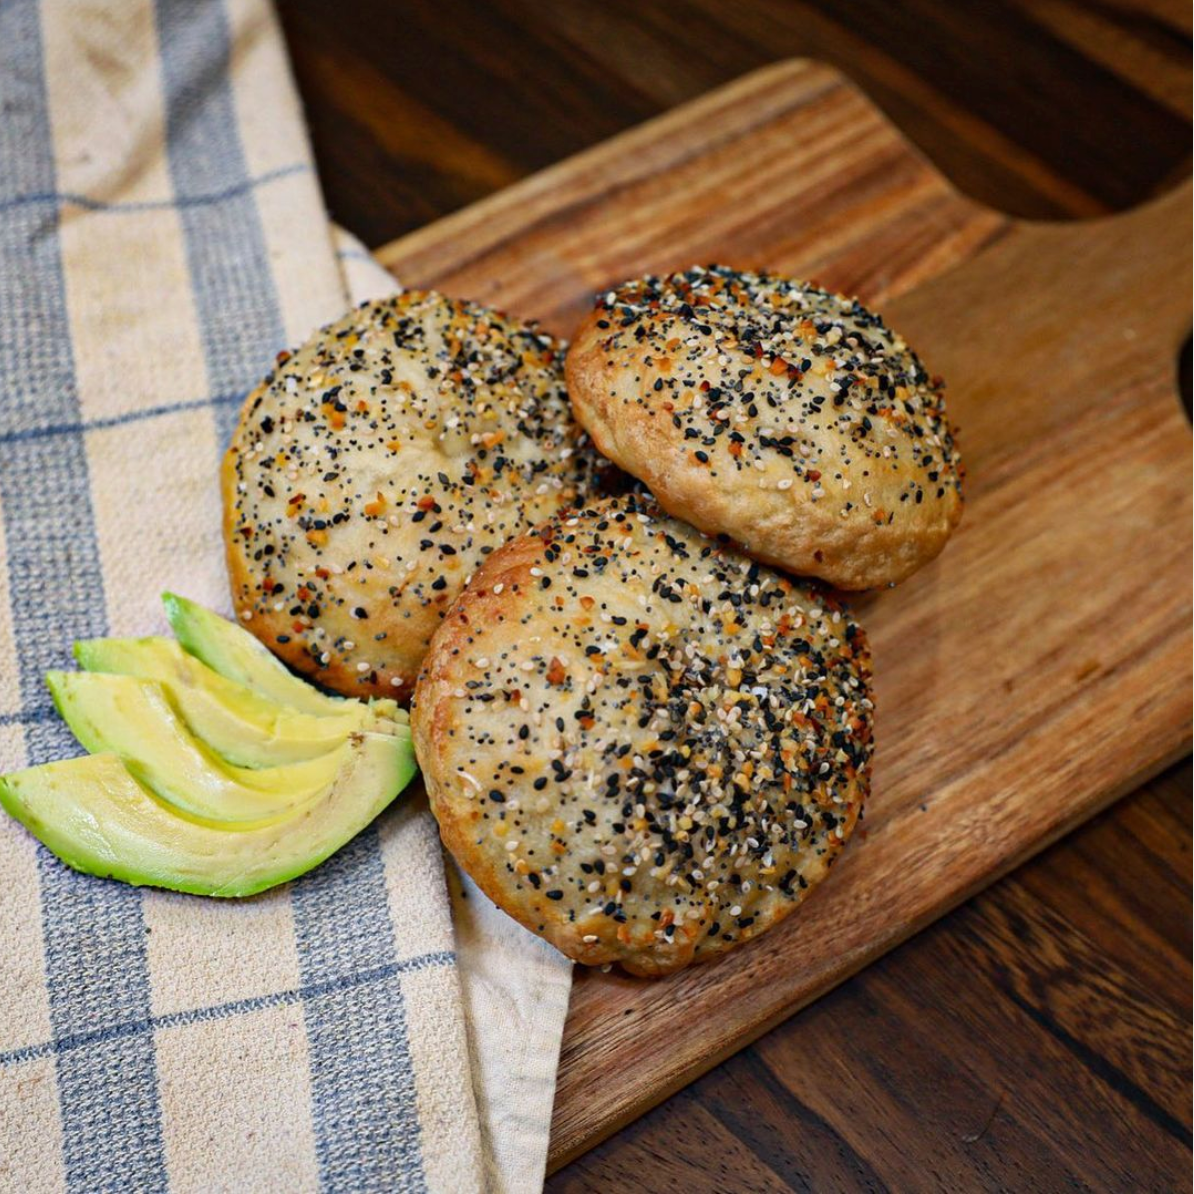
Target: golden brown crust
point(788, 418)
point(374, 470)
point(643, 746)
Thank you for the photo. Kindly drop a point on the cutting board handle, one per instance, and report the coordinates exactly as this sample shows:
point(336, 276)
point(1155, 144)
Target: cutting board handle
point(1100, 305)
point(1145, 251)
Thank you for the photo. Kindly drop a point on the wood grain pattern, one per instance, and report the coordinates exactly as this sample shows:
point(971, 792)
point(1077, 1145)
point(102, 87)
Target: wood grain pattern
point(1043, 108)
point(1030, 676)
point(790, 167)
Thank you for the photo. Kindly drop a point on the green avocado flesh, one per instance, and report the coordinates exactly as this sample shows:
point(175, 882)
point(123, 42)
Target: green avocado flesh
point(212, 769)
point(240, 725)
point(95, 816)
point(236, 655)
point(133, 719)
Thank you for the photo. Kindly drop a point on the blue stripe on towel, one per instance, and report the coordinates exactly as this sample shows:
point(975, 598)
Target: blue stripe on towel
point(94, 934)
point(221, 1011)
point(133, 206)
point(362, 1077)
point(229, 264)
point(44, 430)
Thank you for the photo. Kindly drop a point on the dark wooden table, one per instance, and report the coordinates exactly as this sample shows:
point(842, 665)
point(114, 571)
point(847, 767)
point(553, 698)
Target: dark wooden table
point(1039, 1037)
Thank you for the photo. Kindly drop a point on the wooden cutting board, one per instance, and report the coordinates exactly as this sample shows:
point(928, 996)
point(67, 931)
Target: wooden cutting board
point(1041, 667)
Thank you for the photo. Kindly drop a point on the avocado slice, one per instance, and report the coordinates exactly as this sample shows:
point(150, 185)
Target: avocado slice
point(234, 653)
point(241, 725)
point(95, 816)
point(133, 719)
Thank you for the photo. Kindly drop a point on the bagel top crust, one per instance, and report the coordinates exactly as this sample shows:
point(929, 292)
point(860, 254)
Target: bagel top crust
point(641, 744)
point(377, 466)
point(787, 417)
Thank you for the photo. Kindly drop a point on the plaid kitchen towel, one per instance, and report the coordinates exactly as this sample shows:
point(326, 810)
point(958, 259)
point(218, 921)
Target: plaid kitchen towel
point(161, 237)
